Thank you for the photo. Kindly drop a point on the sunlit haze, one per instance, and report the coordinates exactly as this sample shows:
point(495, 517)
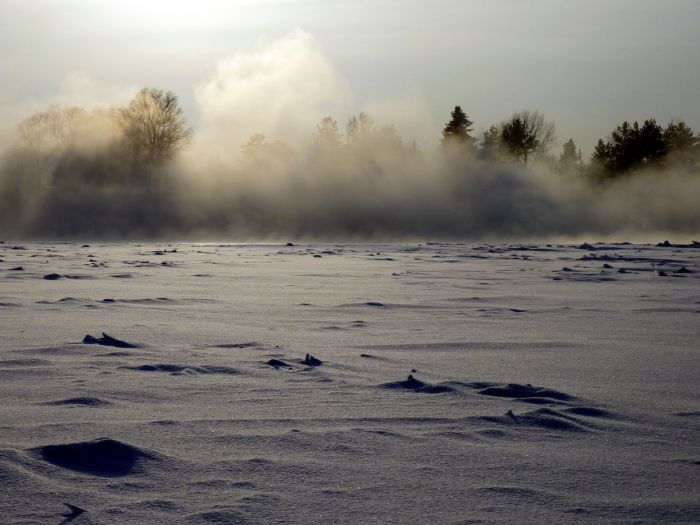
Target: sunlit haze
point(585, 65)
point(349, 262)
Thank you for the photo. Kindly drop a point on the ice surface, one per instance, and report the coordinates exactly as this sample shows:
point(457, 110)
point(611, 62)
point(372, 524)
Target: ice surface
point(459, 383)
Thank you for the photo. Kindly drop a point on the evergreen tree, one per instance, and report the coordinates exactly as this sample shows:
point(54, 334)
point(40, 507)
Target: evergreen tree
point(681, 145)
point(570, 158)
point(602, 154)
point(491, 144)
point(631, 147)
point(652, 148)
point(458, 130)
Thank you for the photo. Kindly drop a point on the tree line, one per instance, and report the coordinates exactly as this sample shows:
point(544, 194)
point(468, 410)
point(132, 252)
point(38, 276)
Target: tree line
point(527, 137)
point(118, 171)
point(64, 145)
point(131, 144)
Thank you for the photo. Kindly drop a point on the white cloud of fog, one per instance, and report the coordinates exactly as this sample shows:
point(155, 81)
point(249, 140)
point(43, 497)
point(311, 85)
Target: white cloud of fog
point(411, 117)
point(281, 90)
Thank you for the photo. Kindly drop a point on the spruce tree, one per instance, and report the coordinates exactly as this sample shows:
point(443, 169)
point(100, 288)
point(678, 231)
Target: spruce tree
point(458, 130)
point(491, 144)
point(570, 158)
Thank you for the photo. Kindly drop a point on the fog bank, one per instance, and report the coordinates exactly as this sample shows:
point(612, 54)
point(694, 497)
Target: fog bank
point(264, 164)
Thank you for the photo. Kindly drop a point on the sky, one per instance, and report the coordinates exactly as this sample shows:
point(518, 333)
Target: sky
point(587, 65)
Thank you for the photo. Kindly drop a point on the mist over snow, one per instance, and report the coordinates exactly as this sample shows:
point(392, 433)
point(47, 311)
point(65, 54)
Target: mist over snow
point(263, 163)
point(314, 261)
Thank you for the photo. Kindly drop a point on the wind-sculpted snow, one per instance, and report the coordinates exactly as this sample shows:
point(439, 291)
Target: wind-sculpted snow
point(80, 401)
point(422, 383)
point(184, 369)
point(416, 385)
point(516, 391)
point(102, 457)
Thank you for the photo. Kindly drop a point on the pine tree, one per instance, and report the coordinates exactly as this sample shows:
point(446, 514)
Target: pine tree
point(491, 144)
point(681, 146)
point(601, 159)
point(458, 130)
point(570, 158)
point(631, 147)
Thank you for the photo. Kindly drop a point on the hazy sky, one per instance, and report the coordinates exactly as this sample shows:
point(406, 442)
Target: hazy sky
point(587, 65)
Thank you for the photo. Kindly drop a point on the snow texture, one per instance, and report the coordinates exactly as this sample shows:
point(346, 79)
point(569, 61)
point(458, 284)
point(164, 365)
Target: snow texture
point(425, 383)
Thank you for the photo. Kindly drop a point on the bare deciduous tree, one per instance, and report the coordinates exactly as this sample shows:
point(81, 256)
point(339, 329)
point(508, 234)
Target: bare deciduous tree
point(55, 128)
point(154, 126)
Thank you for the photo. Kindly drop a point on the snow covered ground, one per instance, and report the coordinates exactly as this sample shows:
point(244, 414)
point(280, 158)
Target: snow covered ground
point(550, 384)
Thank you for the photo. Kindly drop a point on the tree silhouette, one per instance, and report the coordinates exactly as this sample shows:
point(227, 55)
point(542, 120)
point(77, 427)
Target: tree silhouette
point(682, 146)
point(631, 147)
point(678, 136)
point(154, 126)
point(570, 158)
point(527, 136)
point(601, 158)
point(491, 144)
point(458, 130)
point(651, 143)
